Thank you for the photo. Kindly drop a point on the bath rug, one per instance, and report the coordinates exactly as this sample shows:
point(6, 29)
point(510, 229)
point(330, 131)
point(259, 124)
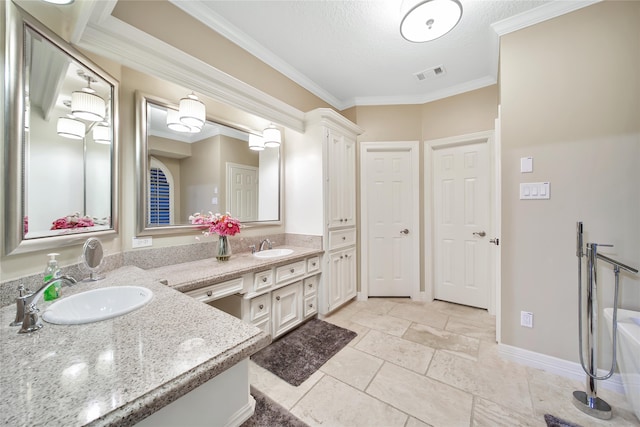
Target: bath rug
point(297, 355)
point(557, 422)
point(269, 414)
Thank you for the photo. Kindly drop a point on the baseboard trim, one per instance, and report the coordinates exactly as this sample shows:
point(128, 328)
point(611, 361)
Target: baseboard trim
point(556, 366)
point(243, 414)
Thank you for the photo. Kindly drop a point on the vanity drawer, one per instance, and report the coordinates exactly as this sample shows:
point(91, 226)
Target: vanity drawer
point(313, 264)
point(290, 271)
point(310, 306)
point(262, 280)
point(259, 307)
point(310, 285)
point(342, 238)
point(219, 290)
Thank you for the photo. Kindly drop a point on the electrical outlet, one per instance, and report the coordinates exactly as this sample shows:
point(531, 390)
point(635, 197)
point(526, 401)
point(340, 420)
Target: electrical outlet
point(526, 319)
point(141, 242)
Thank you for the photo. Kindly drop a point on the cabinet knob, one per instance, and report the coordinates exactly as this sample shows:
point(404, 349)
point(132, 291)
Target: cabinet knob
point(341, 220)
point(310, 305)
point(311, 285)
point(261, 306)
point(293, 270)
point(341, 256)
point(313, 264)
point(344, 237)
point(345, 220)
point(209, 293)
point(264, 279)
point(278, 298)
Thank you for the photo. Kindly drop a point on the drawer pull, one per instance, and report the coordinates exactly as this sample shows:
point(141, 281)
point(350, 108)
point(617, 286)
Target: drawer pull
point(261, 306)
point(278, 298)
point(209, 293)
point(344, 238)
point(311, 285)
point(313, 264)
point(264, 279)
point(293, 270)
point(310, 305)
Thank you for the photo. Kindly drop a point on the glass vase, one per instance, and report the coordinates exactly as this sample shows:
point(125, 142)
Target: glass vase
point(224, 249)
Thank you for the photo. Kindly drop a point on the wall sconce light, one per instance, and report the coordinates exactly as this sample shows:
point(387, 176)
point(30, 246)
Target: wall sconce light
point(430, 19)
point(192, 112)
point(256, 143)
point(102, 133)
point(69, 127)
point(272, 136)
point(86, 104)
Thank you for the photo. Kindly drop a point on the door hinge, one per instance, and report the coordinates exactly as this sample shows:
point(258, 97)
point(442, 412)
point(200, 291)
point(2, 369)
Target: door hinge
point(495, 241)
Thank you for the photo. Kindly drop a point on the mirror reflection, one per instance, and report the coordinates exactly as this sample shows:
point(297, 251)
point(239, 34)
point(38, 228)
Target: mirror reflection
point(216, 168)
point(68, 142)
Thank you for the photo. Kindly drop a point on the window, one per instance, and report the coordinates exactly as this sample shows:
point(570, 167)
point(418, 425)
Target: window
point(159, 198)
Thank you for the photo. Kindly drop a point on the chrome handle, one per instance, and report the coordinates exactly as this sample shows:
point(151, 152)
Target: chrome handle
point(480, 234)
point(264, 279)
point(405, 231)
point(292, 270)
point(278, 298)
point(209, 293)
point(261, 306)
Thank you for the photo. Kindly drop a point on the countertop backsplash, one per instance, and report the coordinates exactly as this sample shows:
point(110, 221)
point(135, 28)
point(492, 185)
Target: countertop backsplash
point(148, 258)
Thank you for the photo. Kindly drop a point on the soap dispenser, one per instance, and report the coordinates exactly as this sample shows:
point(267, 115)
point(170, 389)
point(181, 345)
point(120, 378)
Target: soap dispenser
point(52, 270)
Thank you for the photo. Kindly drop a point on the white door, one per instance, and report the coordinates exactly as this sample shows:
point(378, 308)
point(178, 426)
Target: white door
point(461, 217)
point(242, 191)
point(390, 217)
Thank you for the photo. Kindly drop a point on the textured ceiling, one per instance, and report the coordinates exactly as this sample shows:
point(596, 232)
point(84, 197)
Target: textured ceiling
point(351, 52)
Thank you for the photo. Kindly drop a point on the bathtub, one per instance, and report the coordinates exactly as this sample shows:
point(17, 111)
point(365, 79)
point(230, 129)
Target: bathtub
point(628, 352)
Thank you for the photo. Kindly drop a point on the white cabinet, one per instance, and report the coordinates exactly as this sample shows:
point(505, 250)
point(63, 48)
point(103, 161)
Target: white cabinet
point(341, 286)
point(286, 305)
point(341, 176)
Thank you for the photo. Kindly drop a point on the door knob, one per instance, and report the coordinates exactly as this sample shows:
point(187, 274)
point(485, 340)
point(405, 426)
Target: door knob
point(405, 231)
point(480, 233)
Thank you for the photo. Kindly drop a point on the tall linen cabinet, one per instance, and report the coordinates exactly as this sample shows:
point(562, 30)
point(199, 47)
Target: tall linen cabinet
point(320, 189)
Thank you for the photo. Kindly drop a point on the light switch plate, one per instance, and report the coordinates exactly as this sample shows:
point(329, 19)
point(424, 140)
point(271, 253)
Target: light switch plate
point(535, 190)
point(141, 242)
point(526, 164)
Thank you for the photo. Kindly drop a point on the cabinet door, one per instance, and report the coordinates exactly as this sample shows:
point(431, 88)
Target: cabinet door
point(349, 274)
point(335, 160)
point(334, 286)
point(287, 308)
point(348, 187)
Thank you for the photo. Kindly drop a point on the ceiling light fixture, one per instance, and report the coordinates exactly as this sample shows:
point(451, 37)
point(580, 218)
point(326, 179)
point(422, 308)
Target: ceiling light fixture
point(101, 133)
point(59, 2)
point(430, 19)
point(174, 123)
point(69, 127)
point(86, 104)
point(192, 112)
point(256, 143)
point(272, 136)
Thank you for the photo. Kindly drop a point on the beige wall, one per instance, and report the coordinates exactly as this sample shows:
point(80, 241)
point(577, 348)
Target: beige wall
point(570, 95)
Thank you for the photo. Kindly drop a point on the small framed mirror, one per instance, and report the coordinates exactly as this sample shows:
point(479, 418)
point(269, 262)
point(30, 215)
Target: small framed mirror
point(60, 141)
point(211, 170)
point(92, 257)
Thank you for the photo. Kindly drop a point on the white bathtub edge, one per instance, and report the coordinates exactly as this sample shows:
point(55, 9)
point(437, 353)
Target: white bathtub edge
point(557, 366)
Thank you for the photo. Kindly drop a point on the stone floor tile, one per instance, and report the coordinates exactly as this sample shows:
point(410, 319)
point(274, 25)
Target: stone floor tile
point(352, 367)
point(410, 355)
point(420, 313)
point(443, 340)
point(388, 324)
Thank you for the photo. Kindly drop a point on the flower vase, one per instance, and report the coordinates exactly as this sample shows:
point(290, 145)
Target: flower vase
point(224, 249)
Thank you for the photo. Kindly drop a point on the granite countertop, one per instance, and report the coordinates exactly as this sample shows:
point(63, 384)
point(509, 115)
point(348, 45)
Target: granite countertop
point(193, 275)
point(118, 371)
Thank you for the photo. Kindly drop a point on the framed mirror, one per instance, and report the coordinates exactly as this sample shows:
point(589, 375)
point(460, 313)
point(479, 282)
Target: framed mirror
point(60, 141)
point(209, 170)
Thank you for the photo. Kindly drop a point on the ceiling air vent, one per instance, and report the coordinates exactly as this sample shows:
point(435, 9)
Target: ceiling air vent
point(430, 73)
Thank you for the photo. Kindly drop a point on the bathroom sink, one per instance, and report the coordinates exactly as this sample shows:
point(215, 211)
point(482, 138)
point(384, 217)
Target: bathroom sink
point(97, 304)
point(273, 253)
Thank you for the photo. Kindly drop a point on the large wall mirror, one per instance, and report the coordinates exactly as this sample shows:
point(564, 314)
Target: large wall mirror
point(211, 169)
point(60, 141)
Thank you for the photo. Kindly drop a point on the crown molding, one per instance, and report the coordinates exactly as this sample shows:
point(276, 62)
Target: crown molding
point(217, 23)
point(539, 14)
point(129, 46)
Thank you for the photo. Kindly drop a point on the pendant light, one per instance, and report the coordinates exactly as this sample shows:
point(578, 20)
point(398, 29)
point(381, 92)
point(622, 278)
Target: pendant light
point(101, 133)
point(86, 104)
point(174, 123)
point(272, 137)
point(69, 127)
point(256, 143)
point(430, 19)
point(192, 112)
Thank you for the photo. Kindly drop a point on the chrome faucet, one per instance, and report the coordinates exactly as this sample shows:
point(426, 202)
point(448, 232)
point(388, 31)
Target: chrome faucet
point(268, 242)
point(31, 321)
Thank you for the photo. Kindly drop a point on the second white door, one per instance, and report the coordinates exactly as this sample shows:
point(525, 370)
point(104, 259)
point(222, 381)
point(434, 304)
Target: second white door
point(391, 226)
point(462, 219)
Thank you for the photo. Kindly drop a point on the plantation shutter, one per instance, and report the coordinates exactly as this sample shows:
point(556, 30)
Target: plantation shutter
point(159, 201)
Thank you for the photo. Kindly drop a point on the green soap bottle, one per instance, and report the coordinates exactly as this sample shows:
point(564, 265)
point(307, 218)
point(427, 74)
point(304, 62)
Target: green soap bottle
point(52, 270)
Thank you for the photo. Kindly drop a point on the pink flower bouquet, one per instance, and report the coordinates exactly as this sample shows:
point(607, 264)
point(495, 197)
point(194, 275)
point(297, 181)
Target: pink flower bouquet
point(222, 225)
point(72, 221)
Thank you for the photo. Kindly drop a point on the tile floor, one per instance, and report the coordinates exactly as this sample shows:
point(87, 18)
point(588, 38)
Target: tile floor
point(428, 364)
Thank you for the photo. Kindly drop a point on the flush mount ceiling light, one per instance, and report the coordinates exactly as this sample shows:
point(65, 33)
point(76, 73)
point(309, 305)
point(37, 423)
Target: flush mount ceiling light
point(191, 112)
point(431, 19)
point(69, 127)
point(272, 137)
point(86, 104)
point(256, 143)
point(102, 133)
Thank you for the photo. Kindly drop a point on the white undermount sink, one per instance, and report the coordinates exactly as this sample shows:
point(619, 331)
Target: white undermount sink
point(97, 304)
point(273, 253)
